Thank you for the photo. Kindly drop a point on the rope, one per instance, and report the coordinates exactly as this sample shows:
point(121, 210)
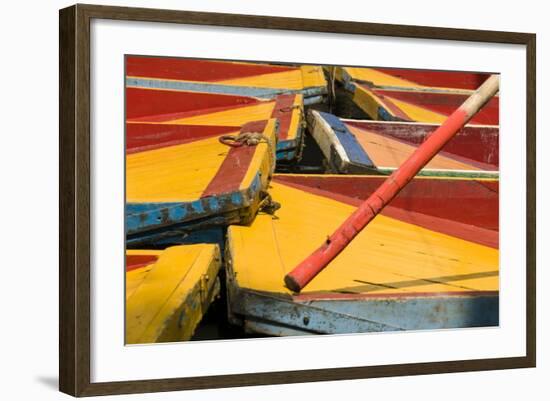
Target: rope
point(244, 138)
point(251, 139)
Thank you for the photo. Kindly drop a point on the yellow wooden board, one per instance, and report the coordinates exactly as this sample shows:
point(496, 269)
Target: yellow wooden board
point(375, 78)
point(167, 299)
point(380, 79)
point(313, 76)
point(238, 116)
point(388, 257)
point(181, 173)
point(417, 113)
point(284, 80)
point(234, 116)
point(174, 173)
point(370, 103)
point(296, 79)
point(264, 158)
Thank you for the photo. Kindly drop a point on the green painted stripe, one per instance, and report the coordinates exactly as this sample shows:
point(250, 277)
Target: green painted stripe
point(444, 173)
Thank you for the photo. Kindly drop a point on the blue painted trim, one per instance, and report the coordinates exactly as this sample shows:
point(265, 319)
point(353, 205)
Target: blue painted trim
point(286, 155)
point(279, 310)
point(161, 240)
point(311, 92)
point(384, 115)
point(252, 325)
point(422, 313)
point(347, 82)
point(350, 87)
point(286, 145)
point(150, 216)
point(313, 100)
point(287, 150)
point(268, 93)
point(354, 150)
point(346, 78)
point(367, 315)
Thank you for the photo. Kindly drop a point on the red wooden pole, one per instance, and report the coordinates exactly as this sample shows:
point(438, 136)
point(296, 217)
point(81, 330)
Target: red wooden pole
point(320, 258)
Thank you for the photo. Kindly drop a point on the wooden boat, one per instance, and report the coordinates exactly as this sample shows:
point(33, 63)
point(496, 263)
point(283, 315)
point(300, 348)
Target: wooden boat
point(168, 292)
point(259, 80)
point(411, 79)
point(358, 146)
point(179, 108)
point(429, 261)
point(180, 179)
point(414, 95)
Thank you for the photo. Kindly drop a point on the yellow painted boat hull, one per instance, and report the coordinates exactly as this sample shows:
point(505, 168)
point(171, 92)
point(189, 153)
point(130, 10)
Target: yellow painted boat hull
point(168, 292)
point(445, 280)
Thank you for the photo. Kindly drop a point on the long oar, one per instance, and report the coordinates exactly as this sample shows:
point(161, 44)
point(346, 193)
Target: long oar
point(319, 259)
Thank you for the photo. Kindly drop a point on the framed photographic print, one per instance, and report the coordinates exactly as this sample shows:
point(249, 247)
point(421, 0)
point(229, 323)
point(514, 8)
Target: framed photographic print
point(250, 200)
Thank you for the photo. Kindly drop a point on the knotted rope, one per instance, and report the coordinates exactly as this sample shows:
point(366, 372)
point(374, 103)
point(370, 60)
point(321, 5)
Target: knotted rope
point(244, 138)
point(267, 204)
point(251, 139)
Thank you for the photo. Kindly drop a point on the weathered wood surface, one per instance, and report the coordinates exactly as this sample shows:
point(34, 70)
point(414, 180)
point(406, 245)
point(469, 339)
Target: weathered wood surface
point(421, 106)
point(477, 143)
point(473, 202)
point(404, 254)
point(377, 255)
point(168, 292)
point(421, 80)
point(395, 94)
point(354, 146)
point(194, 180)
point(260, 80)
point(180, 108)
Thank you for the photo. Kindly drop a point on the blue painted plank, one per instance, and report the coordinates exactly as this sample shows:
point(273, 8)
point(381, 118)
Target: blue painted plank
point(162, 239)
point(354, 150)
point(286, 155)
point(270, 308)
point(314, 94)
point(288, 150)
point(422, 312)
point(141, 217)
point(339, 316)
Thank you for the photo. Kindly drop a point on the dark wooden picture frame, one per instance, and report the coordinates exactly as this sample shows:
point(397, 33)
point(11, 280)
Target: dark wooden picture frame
point(74, 247)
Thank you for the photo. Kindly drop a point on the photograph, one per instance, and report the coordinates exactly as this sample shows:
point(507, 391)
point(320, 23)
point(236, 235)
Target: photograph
point(271, 199)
